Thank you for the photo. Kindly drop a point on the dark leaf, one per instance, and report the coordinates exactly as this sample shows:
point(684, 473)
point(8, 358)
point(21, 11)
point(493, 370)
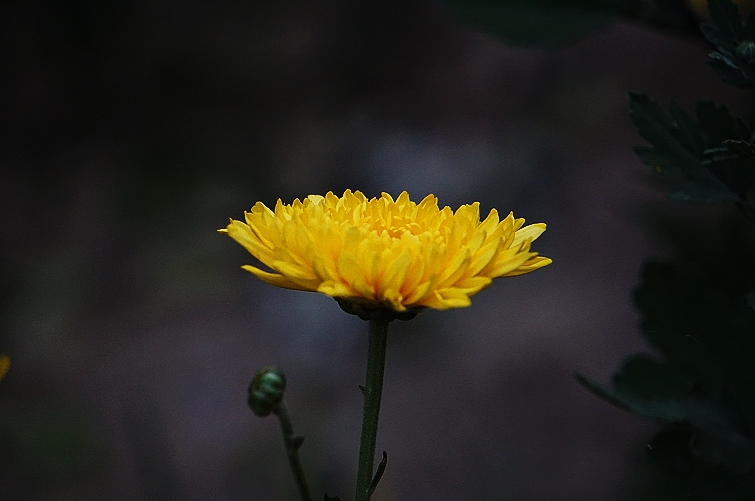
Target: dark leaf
point(719, 125)
point(734, 57)
point(688, 131)
point(660, 129)
point(690, 152)
point(725, 14)
point(743, 149)
point(699, 320)
point(701, 191)
point(737, 173)
point(679, 143)
point(697, 315)
point(713, 34)
point(718, 440)
point(731, 72)
point(646, 377)
point(682, 462)
point(749, 33)
point(701, 413)
point(536, 22)
point(734, 455)
point(660, 163)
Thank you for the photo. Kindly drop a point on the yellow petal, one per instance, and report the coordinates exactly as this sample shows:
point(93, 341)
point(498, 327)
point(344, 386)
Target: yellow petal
point(532, 231)
point(395, 273)
point(530, 265)
point(274, 278)
point(447, 298)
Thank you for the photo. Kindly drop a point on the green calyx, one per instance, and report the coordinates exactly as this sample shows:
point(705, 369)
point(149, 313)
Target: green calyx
point(370, 311)
point(266, 390)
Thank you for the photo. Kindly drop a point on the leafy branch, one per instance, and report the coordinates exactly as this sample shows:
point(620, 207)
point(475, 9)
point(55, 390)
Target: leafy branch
point(699, 313)
point(734, 57)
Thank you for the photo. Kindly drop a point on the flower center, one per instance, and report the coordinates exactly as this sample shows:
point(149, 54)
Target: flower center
point(396, 227)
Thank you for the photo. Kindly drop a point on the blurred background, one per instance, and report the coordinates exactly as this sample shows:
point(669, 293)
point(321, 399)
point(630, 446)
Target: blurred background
point(132, 131)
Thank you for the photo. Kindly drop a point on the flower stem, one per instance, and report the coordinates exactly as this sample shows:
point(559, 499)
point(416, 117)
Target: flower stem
point(372, 392)
point(293, 442)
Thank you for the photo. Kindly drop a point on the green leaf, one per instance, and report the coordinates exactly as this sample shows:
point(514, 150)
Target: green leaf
point(735, 172)
point(719, 440)
point(725, 14)
point(688, 130)
point(688, 151)
point(719, 125)
point(734, 57)
point(701, 413)
point(730, 70)
point(713, 34)
point(751, 300)
point(734, 455)
point(678, 146)
point(749, 32)
point(660, 163)
point(661, 130)
point(685, 466)
point(743, 149)
point(536, 22)
point(646, 377)
point(678, 320)
point(698, 315)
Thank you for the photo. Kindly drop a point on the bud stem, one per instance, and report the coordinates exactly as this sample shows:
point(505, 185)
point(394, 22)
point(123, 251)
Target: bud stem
point(293, 442)
point(372, 392)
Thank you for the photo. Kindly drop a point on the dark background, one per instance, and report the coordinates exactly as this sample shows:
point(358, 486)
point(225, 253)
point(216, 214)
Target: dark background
point(131, 131)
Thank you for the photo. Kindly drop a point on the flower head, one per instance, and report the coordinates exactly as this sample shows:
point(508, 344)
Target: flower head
point(391, 254)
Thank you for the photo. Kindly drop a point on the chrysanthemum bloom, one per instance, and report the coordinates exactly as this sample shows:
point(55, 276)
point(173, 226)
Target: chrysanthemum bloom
point(391, 254)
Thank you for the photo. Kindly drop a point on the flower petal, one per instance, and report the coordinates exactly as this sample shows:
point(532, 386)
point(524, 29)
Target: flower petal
point(274, 278)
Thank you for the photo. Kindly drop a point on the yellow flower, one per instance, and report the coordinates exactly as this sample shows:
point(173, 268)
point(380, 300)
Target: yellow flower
point(4, 365)
point(393, 254)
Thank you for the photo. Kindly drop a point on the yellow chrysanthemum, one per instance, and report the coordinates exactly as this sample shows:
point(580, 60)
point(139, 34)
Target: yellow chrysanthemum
point(394, 254)
point(4, 365)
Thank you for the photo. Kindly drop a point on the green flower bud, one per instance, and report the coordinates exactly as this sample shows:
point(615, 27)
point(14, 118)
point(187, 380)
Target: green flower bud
point(266, 390)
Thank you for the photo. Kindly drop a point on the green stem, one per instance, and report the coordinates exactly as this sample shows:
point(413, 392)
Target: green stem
point(372, 392)
point(293, 442)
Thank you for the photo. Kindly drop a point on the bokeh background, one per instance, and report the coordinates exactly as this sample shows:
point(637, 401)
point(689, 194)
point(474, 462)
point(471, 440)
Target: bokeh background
point(132, 131)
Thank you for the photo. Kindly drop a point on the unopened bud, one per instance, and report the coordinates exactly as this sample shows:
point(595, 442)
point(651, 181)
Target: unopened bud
point(266, 390)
